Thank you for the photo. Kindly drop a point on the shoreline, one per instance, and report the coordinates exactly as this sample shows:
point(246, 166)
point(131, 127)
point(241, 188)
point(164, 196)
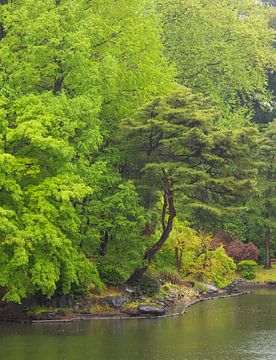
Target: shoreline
point(244, 288)
point(122, 315)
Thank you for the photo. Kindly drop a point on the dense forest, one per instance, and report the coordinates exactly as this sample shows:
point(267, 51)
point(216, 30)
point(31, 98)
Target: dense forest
point(138, 139)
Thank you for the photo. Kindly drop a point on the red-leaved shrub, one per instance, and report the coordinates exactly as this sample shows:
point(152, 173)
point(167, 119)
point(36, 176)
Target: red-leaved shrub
point(236, 250)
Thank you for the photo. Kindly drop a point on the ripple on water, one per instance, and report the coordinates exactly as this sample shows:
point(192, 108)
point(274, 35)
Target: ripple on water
point(261, 345)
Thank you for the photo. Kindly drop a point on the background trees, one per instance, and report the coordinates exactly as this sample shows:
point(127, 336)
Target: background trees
point(226, 56)
point(76, 209)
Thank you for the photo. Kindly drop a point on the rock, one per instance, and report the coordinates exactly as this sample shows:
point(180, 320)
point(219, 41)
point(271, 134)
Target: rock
point(136, 293)
point(132, 312)
point(170, 297)
point(231, 289)
point(116, 301)
point(180, 295)
point(130, 291)
point(271, 283)
point(49, 316)
point(211, 289)
point(150, 310)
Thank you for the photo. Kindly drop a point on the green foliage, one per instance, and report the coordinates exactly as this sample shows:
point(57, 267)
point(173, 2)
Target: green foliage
point(72, 201)
point(119, 220)
point(149, 286)
point(248, 269)
point(171, 275)
point(197, 257)
point(111, 272)
point(64, 66)
point(261, 208)
point(225, 56)
point(173, 143)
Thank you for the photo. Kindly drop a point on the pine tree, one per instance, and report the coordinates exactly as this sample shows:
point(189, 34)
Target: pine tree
point(267, 188)
point(175, 147)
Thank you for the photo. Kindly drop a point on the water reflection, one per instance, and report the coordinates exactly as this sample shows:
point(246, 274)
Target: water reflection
point(228, 329)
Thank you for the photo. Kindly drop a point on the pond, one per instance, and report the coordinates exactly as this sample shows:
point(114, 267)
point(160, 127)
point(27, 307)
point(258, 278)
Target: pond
point(242, 327)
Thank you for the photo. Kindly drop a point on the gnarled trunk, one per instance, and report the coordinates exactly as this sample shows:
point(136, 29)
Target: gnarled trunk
point(167, 228)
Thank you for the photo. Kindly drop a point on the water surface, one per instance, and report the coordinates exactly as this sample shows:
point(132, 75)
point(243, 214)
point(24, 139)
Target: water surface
point(225, 329)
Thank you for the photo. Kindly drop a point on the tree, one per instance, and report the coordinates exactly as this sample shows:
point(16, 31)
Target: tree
point(196, 256)
point(227, 56)
point(175, 148)
point(44, 103)
point(267, 187)
point(63, 67)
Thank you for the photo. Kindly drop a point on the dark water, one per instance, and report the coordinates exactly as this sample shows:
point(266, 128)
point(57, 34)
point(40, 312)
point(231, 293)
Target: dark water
point(226, 329)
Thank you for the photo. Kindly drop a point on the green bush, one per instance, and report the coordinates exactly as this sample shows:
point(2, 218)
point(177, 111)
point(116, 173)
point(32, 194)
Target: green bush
point(248, 269)
point(149, 286)
point(111, 274)
point(171, 275)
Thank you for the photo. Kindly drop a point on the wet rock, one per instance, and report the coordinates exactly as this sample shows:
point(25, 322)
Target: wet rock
point(170, 297)
point(116, 301)
point(211, 289)
point(150, 310)
point(231, 289)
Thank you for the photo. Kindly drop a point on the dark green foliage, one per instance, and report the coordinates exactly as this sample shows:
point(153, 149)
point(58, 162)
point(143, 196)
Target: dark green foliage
point(110, 272)
point(174, 148)
point(149, 286)
point(248, 269)
point(175, 145)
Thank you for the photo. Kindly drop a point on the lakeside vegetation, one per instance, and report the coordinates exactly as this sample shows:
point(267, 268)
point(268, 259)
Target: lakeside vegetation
point(263, 275)
point(138, 143)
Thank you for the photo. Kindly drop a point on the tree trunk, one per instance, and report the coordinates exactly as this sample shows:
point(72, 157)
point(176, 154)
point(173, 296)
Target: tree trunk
point(178, 258)
point(167, 228)
point(267, 248)
point(148, 231)
point(104, 243)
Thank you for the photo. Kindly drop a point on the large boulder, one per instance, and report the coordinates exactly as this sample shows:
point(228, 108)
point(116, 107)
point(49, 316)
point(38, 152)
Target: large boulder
point(151, 310)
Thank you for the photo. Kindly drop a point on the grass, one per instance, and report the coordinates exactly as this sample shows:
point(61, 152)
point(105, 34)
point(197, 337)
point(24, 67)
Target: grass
point(264, 275)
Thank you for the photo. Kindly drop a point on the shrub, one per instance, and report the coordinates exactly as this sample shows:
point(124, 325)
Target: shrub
point(236, 250)
point(149, 286)
point(248, 269)
point(111, 274)
point(197, 256)
point(171, 275)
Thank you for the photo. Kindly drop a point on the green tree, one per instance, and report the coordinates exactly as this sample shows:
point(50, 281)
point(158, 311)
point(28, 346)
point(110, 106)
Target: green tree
point(227, 56)
point(265, 204)
point(68, 71)
point(176, 150)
